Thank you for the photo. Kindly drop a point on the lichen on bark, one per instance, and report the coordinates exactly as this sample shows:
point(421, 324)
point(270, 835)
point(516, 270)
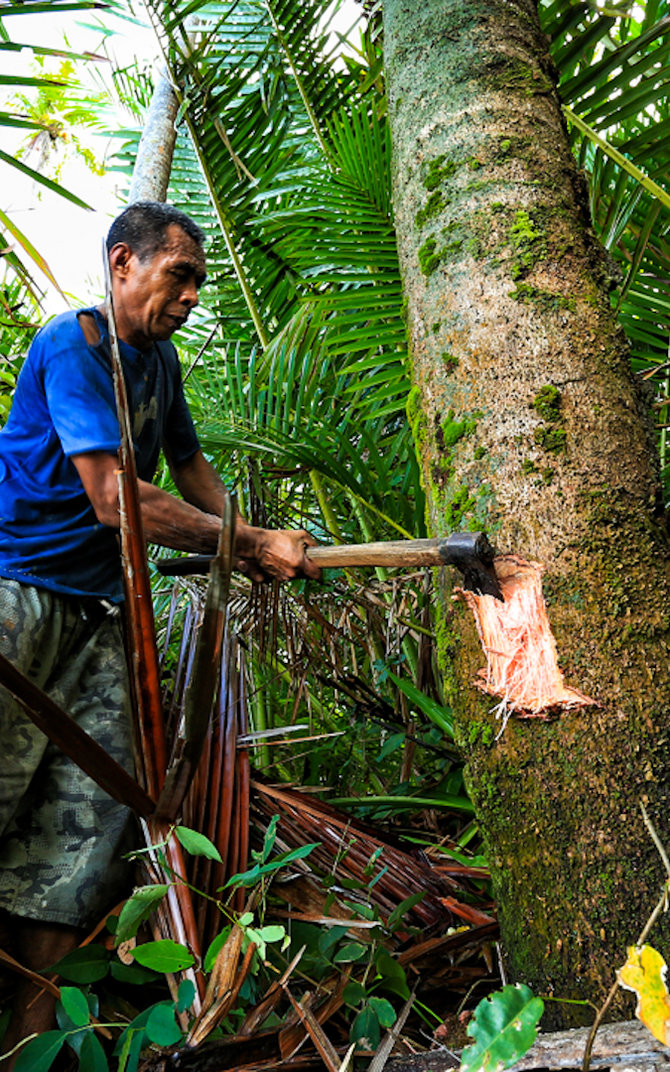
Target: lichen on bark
point(558, 466)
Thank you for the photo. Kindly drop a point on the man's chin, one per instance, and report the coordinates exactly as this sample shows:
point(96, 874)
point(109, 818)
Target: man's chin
point(166, 331)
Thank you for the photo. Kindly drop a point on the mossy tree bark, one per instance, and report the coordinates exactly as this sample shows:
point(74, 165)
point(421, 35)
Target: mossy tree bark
point(529, 424)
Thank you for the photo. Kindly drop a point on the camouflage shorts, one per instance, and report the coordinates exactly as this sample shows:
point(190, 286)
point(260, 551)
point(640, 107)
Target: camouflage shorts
point(61, 836)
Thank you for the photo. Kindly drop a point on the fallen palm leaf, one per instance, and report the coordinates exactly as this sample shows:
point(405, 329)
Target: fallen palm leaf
point(316, 1033)
point(256, 1016)
point(305, 818)
point(223, 986)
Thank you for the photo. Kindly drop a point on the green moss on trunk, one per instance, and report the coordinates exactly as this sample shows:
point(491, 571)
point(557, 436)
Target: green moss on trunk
point(528, 423)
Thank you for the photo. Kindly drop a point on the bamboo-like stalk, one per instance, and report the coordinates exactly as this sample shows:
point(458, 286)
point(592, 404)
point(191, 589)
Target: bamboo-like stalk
point(74, 741)
point(204, 681)
point(150, 745)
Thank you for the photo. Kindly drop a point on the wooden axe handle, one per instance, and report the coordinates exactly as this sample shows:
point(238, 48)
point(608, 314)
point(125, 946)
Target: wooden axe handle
point(384, 553)
point(470, 552)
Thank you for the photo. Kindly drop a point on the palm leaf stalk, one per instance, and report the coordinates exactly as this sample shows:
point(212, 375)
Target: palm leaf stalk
point(151, 753)
point(75, 742)
point(198, 702)
point(177, 915)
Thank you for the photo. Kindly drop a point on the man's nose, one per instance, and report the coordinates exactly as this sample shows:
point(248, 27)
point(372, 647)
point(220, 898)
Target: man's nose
point(189, 294)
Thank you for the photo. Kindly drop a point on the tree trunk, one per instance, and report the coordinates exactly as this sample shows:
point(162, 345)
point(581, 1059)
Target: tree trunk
point(529, 424)
point(151, 174)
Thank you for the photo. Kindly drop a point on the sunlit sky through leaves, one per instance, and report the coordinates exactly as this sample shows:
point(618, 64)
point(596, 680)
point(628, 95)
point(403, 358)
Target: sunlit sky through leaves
point(70, 238)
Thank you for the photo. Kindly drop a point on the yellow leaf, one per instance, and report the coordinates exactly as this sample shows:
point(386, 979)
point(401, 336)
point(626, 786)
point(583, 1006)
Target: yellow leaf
point(644, 972)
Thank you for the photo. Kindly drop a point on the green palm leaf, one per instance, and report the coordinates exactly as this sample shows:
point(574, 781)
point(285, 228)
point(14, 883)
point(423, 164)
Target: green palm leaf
point(615, 80)
point(15, 119)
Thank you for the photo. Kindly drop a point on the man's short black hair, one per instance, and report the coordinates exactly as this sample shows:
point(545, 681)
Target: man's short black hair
point(143, 226)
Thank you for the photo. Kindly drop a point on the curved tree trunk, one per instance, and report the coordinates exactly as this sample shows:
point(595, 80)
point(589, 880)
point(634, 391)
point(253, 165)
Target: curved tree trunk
point(529, 424)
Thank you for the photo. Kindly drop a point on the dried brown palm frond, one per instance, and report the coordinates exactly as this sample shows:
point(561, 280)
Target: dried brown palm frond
point(345, 849)
point(192, 730)
point(299, 637)
point(149, 737)
point(217, 801)
point(176, 917)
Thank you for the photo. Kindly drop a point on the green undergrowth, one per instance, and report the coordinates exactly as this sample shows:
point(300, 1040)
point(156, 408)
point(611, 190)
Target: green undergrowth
point(116, 1008)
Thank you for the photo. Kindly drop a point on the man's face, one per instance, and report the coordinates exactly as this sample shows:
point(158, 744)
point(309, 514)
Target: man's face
point(154, 297)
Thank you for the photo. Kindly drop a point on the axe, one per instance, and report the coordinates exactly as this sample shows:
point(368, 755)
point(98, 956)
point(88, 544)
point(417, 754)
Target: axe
point(470, 552)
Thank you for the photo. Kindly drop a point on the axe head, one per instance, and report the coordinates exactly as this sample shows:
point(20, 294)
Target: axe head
point(472, 554)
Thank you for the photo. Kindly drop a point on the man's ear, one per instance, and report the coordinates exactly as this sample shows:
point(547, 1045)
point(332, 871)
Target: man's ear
point(119, 258)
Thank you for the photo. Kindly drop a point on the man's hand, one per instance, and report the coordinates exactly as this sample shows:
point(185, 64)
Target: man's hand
point(266, 553)
point(194, 525)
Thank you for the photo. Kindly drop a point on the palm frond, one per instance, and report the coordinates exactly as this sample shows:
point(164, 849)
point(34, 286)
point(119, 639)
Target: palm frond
point(615, 80)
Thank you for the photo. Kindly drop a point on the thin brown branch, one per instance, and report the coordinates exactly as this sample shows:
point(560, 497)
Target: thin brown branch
point(150, 749)
point(74, 741)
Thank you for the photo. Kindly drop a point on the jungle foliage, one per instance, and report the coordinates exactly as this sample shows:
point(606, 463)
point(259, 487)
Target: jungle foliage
point(301, 378)
point(297, 369)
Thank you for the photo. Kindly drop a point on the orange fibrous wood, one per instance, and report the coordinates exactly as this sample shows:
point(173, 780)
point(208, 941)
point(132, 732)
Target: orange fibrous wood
point(521, 654)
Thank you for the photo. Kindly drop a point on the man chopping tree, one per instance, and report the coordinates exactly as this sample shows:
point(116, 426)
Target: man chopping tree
point(60, 571)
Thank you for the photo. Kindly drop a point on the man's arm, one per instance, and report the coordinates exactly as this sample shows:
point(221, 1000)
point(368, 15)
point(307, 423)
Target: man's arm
point(194, 525)
point(199, 483)
point(261, 553)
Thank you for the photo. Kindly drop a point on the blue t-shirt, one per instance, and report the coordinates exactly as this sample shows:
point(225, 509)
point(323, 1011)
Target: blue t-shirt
point(64, 405)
